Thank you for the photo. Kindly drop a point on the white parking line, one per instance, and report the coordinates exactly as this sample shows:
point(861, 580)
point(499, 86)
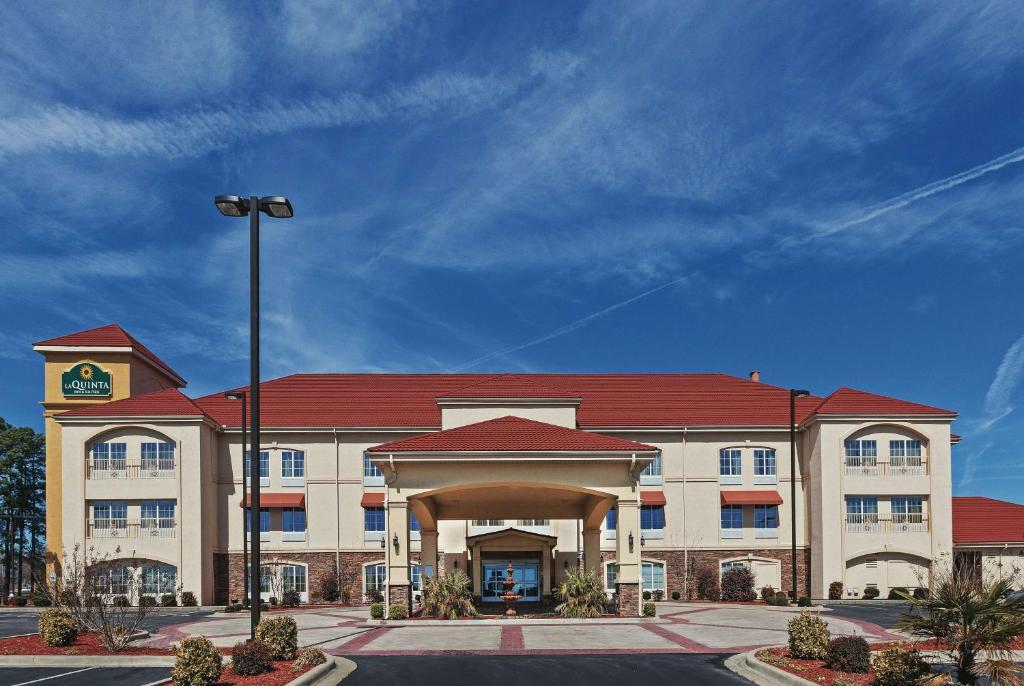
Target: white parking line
point(55, 676)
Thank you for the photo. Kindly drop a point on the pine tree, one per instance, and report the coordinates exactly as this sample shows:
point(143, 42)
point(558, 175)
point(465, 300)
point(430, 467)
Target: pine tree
point(23, 503)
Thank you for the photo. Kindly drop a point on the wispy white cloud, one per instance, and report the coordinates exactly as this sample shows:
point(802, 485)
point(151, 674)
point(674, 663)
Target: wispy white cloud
point(969, 471)
point(999, 398)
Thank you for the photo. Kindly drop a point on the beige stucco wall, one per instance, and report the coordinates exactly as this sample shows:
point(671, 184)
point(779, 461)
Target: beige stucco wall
point(456, 414)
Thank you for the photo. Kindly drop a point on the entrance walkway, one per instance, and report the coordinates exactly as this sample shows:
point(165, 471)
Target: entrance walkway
point(679, 628)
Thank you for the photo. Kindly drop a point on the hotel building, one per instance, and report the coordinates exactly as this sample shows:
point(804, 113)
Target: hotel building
point(385, 478)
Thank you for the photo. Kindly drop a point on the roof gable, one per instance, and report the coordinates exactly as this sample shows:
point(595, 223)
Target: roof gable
point(110, 335)
point(850, 401)
point(512, 434)
point(168, 402)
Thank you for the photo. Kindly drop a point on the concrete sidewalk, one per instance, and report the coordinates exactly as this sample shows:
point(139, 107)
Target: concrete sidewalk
point(679, 628)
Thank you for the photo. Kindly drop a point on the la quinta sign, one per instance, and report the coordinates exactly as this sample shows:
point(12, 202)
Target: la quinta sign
point(85, 380)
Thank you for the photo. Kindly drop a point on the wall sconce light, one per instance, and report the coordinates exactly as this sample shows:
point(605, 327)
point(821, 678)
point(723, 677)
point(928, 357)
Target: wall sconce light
point(567, 563)
point(394, 542)
point(382, 543)
point(455, 564)
point(643, 541)
point(630, 541)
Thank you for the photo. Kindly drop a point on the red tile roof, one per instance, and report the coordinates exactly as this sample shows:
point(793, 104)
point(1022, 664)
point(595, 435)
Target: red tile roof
point(652, 498)
point(111, 335)
point(509, 386)
point(277, 500)
point(986, 520)
point(850, 401)
point(511, 434)
point(169, 402)
point(751, 498)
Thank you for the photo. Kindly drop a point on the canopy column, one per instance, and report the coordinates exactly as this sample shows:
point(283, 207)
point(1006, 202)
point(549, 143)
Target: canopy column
point(397, 545)
point(428, 553)
point(592, 550)
point(627, 557)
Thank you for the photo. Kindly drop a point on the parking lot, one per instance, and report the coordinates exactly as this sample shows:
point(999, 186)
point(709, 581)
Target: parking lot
point(88, 676)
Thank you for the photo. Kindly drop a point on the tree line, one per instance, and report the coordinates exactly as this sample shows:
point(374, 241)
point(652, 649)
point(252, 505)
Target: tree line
point(22, 507)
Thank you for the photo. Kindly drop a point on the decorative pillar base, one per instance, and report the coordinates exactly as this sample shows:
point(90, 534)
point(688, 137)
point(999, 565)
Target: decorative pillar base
point(629, 599)
point(399, 593)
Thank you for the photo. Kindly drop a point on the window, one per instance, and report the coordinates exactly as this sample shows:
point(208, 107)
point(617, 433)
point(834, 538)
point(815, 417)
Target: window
point(653, 576)
point(108, 514)
point(611, 520)
point(114, 580)
point(738, 564)
point(375, 577)
point(905, 456)
point(764, 466)
point(373, 519)
point(861, 456)
point(293, 578)
point(157, 515)
point(730, 466)
point(861, 514)
point(293, 466)
point(293, 524)
point(488, 522)
point(611, 575)
point(266, 579)
point(652, 472)
point(264, 467)
point(732, 521)
point(766, 521)
point(533, 522)
point(158, 579)
point(112, 456)
point(907, 513)
point(158, 456)
point(264, 522)
point(372, 474)
point(861, 448)
point(416, 577)
point(414, 527)
point(652, 520)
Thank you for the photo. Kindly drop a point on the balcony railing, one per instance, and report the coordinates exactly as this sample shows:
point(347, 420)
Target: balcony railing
point(886, 524)
point(123, 528)
point(119, 470)
point(896, 466)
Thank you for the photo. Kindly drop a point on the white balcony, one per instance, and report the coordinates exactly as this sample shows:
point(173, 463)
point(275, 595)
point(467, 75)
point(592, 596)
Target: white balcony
point(131, 530)
point(896, 466)
point(886, 524)
point(122, 470)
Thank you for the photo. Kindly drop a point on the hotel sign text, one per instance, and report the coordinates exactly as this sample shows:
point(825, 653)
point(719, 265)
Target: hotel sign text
point(85, 380)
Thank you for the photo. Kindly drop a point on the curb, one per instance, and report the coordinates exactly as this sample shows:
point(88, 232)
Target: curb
point(762, 674)
point(334, 671)
point(86, 661)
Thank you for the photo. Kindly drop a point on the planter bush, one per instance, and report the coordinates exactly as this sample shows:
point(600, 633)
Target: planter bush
point(41, 600)
point(738, 585)
point(120, 601)
point(374, 596)
point(659, 595)
point(57, 628)
point(650, 610)
point(778, 601)
point(898, 593)
point(870, 593)
point(767, 592)
point(147, 601)
point(237, 607)
point(898, 667)
point(20, 601)
point(849, 654)
point(808, 637)
point(647, 595)
point(920, 593)
point(197, 662)
point(707, 582)
point(309, 657)
point(377, 611)
point(835, 590)
point(398, 611)
point(330, 588)
point(251, 657)
point(803, 601)
point(582, 594)
point(675, 595)
point(188, 599)
point(281, 635)
point(272, 600)
point(168, 600)
point(291, 598)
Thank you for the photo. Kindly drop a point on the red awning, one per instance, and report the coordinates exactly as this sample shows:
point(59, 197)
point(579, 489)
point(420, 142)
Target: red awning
point(277, 500)
point(751, 498)
point(372, 500)
point(652, 498)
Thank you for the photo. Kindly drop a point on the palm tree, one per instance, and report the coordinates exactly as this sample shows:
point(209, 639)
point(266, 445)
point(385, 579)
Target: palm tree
point(448, 595)
point(582, 595)
point(974, 621)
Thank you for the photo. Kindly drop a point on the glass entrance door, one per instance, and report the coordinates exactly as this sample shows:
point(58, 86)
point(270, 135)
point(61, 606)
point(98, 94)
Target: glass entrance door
point(526, 575)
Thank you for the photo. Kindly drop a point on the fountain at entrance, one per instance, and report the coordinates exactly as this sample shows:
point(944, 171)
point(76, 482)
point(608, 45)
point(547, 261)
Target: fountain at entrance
point(510, 598)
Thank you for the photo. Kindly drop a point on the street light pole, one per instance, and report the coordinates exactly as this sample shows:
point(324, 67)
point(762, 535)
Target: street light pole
point(794, 393)
point(240, 395)
point(235, 206)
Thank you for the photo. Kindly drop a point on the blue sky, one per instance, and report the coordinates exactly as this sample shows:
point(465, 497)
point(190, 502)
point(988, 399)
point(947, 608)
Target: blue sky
point(832, 194)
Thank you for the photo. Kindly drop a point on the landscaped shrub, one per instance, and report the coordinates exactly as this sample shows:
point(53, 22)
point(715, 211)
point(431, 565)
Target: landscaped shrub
point(197, 662)
point(57, 628)
point(250, 657)
point(647, 595)
point(778, 600)
point(581, 594)
point(808, 637)
point(920, 593)
point(835, 590)
point(41, 600)
point(374, 595)
point(291, 598)
point(398, 611)
point(898, 593)
point(849, 654)
point(659, 595)
point(377, 611)
point(675, 595)
point(870, 593)
point(706, 577)
point(898, 667)
point(272, 600)
point(309, 657)
point(237, 607)
point(803, 601)
point(147, 601)
point(168, 600)
point(738, 585)
point(281, 635)
point(329, 588)
point(20, 601)
point(767, 592)
point(120, 601)
point(650, 609)
point(188, 599)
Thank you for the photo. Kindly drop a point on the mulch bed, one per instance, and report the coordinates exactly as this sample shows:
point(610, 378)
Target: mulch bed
point(812, 670)
point(85, 644)
point(281, 675)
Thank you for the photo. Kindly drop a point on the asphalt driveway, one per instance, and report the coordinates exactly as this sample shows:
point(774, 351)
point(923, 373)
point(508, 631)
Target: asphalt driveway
point(17, 623)
point(882, 614)
point(91, 676)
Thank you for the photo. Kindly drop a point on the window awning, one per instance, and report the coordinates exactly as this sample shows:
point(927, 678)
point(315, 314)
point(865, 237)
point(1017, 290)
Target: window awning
point(751, 498)
point(277, 500)
point(652, 498)
point(372, 500)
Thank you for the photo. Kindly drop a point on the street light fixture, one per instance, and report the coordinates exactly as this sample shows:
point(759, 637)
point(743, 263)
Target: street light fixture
point(794, 393)
point(240, 395)
point(237, 206)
